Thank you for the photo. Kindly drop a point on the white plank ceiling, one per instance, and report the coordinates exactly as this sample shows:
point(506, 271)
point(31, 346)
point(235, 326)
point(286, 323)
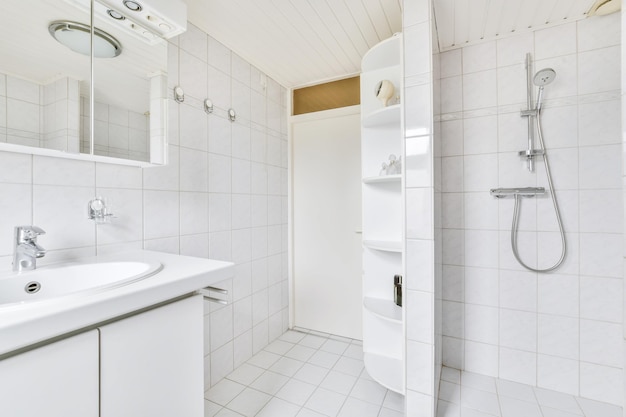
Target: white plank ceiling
point(299, 42)
point(304, 42)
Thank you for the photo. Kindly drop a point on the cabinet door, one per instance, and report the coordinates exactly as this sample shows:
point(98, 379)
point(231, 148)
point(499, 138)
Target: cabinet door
point(56, 380)
point(152, 363)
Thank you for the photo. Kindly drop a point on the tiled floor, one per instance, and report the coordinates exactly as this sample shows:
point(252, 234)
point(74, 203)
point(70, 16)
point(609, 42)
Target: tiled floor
point(464, 394)
point(305, 375)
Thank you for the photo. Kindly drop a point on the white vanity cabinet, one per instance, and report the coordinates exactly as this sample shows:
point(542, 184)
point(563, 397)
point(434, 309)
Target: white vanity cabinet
point(57, 380)
point(147, 364)
point(152, 363)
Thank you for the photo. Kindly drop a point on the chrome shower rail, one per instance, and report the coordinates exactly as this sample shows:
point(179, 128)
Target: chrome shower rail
point(523, 191)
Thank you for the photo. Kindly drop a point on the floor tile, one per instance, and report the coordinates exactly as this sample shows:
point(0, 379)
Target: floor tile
point(551, 412)
point(557, 400)
point(484, 401)
point(338, 382)
point(512, 407)
point(354, 351)
point(211, 408)
point(279, 347)
point(311, 373)
point(598, 409)
point(446, 409)
point(270, 382)
point(394, 401)
point(369, 391)
point(292, 377)
point(225, 412)
point(349, 366)
point(515, 390)
point(301, 353)
point(296, 392)
point(334, 346)
point(292, 336)
point(477, 381)
point(325, 402)
point(286, 366)
point(354, 407)
point(312, 341)
point(224, 391)
point(388, 412)
point(305, 412)
point(249, 402)
point(264, 359)
point(245, 374)
point(277, 407)
point(324, 359)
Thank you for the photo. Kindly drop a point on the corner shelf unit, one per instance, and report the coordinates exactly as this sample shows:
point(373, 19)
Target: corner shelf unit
point(383, 224)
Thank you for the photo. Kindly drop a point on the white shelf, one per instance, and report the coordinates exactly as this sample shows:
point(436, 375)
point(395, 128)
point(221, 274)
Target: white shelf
point(385, 309)
point(383, 179)
point(384, 245)
point(387, 371)
point(381, 117)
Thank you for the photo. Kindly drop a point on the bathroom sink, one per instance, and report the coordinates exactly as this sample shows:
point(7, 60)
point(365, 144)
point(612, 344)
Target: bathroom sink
point(50, 282)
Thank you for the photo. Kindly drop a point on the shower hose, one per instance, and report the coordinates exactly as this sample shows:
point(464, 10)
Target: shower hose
point(516, 211)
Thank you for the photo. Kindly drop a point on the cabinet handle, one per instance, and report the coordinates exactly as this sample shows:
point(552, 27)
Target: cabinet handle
point(215, 300)
point(215, 289)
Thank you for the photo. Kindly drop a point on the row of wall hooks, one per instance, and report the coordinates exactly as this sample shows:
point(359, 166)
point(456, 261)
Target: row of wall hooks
point(179, 96)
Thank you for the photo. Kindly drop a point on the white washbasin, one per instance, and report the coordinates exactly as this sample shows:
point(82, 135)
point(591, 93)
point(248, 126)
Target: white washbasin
point(51, 282)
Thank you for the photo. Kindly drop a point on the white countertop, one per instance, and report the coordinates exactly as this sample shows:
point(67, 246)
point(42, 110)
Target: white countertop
point(32, 322)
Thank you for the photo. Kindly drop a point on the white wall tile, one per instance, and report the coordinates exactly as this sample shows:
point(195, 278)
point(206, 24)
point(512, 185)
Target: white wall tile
point(479, 90)
point(17, 210)
point(558, 374)
point(161, 214)
point(518, 366)
point(479, 57)
point(600, 343)
point(481, 324)
point(601, 299)
point(555, 41)
point(598, 70)
point(512, 50)
point(481, 286)
point(558, 294)
point(518, 290)
point(451, 63)
point(481, 358)
point(599, 123)
point(601, 383)
point(518, 330)
point(558, 336)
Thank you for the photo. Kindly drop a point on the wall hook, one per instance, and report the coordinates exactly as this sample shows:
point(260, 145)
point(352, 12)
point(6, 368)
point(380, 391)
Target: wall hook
point(179, 94)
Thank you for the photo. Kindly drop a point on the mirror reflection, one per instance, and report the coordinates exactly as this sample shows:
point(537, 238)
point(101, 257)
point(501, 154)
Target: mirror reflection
point(45, 80)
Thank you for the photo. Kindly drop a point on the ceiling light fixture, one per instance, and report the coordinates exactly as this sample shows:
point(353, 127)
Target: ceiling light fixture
point(115, 14)
point(133, 5)
point(76, 36)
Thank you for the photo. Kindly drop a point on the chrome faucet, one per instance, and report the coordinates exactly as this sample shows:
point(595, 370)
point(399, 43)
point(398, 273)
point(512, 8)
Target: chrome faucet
point(25, 249)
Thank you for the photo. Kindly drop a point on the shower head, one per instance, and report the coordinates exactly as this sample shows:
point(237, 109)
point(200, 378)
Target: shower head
point(544, 77)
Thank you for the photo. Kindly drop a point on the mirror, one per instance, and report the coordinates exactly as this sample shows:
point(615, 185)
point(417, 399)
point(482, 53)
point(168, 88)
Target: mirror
point(46, 89)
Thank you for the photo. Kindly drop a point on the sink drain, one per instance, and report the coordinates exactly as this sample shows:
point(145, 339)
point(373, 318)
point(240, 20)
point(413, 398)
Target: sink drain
point(32, 287)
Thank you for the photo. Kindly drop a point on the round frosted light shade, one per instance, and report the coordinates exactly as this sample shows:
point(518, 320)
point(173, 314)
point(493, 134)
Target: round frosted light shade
point(76, 36)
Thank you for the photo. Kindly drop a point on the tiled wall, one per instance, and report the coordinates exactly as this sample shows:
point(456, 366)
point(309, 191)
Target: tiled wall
point(223, 195)
point(118, 132)
point(422, 349)
point(559, 330)
point(39, 115)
